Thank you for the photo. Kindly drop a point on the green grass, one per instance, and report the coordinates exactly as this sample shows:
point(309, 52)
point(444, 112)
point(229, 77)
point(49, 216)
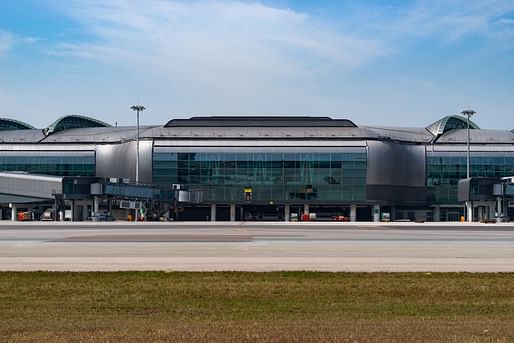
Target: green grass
point(239, 307)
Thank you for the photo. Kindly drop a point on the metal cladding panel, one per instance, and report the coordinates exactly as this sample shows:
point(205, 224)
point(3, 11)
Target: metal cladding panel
point(274, 143)
point(461, 149)
point(119, 160)
point(477, 189)
point(18, 199)
point(30, 186)
point(463, 189)
point(53, 148)
point(396, 173)
point(277, 149)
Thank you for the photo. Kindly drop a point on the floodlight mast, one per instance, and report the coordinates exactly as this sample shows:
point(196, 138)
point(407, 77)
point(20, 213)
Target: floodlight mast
point(137, 108)
point(469, 205)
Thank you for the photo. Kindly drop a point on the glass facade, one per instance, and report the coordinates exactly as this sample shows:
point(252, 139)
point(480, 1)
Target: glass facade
point(445, 169)
point(50, 163)
point(275, 176)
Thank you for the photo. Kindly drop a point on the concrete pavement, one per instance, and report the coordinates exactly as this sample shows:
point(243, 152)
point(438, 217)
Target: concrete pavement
point(250, 246)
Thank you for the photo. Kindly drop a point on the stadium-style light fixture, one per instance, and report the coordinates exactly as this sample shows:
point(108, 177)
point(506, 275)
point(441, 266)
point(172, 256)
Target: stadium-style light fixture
point(469, 206)
point(137, 108)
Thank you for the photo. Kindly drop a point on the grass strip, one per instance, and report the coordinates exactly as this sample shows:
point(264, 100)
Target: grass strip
point(249, 307)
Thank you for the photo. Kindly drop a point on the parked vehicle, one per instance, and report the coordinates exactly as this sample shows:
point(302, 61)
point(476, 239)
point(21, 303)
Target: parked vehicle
point(48, 215)
point(24, 216)
point(340, 218)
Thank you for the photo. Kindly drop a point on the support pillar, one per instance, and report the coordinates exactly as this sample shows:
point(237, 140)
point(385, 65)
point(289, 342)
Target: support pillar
point(232, 212)
point(469, 209)
point(393, 213)
point(95, 205)
point(14, 212)
point(56, 213)
point(499, 209)
point(82, 211)
point(481, 213)
point(353, 213)
point(376, 213)
point(306, 209)
point(437, 213)
point(490, 206)
point(213, 212)
point(287, 214)
point(109, 206)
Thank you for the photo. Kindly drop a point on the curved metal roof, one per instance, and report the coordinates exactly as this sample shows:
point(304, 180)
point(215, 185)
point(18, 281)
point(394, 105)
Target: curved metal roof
point(21, 136)
point(405, 134)
point(450, 123)
point(104, 135)
point(449, 130)
point(260, 121)
point(99, 135)
point(265, 133)
point(483, 136)
point(73, 122)
point(13, 124)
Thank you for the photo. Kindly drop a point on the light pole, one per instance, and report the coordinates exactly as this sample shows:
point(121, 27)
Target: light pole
point(138, 109)
point(469, 204)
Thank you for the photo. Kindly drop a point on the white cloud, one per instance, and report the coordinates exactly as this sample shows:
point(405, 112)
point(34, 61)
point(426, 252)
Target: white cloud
point(216, 56)
point(224, 35)
point(506, 21)
point(222, 56)
point(452, 19)
point(6, 42)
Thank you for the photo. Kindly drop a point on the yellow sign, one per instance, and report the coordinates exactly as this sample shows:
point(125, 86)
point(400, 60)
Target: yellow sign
point(248, 190)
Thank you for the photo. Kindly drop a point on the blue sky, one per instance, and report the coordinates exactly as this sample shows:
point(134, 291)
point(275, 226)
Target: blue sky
point(397, 63)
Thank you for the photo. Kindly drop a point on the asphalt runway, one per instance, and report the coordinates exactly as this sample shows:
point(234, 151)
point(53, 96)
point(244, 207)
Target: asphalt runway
point(250, 246)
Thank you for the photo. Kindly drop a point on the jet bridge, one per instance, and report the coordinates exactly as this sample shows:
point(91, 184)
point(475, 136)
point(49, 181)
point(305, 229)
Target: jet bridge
point(77, 198)
point(489, 196)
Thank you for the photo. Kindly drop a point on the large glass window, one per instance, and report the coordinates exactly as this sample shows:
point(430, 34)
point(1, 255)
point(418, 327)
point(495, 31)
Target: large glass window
point(49, 163)
point(445, 169)
point(288, 175)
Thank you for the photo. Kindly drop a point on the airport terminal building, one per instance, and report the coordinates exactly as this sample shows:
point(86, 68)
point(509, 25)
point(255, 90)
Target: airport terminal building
point(250, 168)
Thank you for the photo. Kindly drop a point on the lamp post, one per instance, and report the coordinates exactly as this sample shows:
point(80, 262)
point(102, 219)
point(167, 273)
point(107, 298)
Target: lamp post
point(138, 109)
point(469, 204)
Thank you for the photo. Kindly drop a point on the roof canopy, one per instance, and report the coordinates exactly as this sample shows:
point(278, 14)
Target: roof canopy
point(450, 123)
point(260, 121)
point(73, 122)
point(12, 124)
